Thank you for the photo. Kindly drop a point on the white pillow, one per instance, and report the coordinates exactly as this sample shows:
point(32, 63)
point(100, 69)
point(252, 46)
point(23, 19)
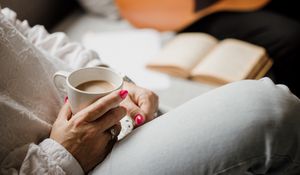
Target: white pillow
point(105, 8)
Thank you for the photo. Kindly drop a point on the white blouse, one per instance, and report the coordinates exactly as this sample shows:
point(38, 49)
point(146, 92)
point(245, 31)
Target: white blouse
point(29, 102)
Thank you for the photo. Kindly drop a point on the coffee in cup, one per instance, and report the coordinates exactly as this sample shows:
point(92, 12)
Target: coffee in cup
point(84, 86)
point(96, 86)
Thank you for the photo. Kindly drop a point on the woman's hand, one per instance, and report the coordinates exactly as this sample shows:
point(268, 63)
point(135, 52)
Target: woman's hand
point(141, 104)
point(86, 135)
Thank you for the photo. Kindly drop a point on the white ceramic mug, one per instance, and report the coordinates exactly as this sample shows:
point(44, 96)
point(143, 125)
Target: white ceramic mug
point(67, 82)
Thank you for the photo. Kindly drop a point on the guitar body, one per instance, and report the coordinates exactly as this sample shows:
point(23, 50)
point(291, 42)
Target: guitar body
point(176, 14)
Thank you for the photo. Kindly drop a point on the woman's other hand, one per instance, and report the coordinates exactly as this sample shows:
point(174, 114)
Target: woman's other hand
point(141, 104)
point(86, 135)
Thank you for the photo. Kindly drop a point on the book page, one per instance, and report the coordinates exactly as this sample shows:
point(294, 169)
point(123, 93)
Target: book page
point(231, 60)
point(183, 52)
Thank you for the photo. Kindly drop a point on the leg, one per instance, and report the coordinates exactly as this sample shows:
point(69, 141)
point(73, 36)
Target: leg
point(249, 126)
point(278, 34)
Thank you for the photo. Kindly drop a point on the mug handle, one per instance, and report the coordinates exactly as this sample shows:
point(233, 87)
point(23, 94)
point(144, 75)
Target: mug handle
point(60, 80)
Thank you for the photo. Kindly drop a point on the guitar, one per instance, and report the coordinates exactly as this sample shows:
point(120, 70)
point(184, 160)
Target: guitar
point(174, 15)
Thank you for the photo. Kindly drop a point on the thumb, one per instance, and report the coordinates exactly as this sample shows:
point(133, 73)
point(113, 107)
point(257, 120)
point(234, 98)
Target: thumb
point(134, 111)
point(65, 112)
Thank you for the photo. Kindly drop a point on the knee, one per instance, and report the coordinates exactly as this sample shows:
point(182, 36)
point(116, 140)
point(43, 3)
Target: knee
point(269, 102)
point(274, 116)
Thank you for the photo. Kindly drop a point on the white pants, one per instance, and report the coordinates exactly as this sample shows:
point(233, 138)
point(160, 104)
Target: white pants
point(248, 127)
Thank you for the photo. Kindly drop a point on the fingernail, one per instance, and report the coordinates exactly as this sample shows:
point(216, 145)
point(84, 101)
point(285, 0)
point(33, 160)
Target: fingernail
point(123, 93)
point(66, 99)
point(139, 119)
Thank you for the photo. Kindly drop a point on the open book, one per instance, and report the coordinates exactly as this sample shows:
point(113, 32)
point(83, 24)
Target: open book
point(202, 57)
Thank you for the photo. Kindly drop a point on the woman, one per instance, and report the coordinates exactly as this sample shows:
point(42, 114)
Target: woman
point(244, 127)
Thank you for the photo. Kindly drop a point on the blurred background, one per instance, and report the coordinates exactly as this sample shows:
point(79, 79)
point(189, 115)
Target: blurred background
point(98, 25)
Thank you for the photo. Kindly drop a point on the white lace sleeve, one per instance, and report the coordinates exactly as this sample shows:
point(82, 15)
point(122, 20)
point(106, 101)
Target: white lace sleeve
point(56, 44)
point(48, 157)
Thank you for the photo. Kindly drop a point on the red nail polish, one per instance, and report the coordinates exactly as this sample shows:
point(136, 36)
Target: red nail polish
point(123, 93)
point(66, 99)
point(139, 119)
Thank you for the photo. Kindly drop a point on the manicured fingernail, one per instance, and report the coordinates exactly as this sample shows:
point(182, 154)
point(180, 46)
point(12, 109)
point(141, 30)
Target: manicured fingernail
point(139, 119)
point(66, 99)
point(123, 93)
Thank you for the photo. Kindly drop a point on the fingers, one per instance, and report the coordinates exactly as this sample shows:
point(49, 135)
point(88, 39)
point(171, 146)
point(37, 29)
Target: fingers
point(141, 105)
point(65, 112)
point(101, 106)
point(110, 118)
point(149, 105)
point(148, 102)
point(116, 129)
point(134, 111)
